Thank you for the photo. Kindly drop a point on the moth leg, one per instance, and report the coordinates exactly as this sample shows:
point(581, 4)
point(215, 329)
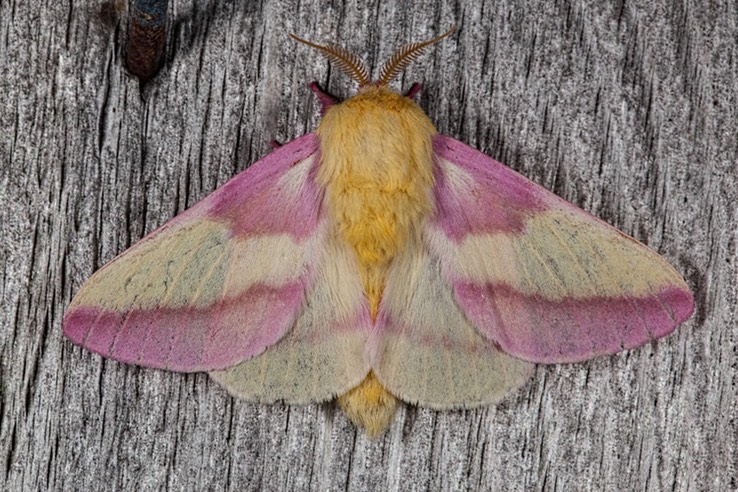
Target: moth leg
point(326, 100)
point(413, 91)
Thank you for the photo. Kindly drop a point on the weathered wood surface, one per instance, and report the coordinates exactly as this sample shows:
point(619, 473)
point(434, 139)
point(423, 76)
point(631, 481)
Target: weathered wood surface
point(628, 109)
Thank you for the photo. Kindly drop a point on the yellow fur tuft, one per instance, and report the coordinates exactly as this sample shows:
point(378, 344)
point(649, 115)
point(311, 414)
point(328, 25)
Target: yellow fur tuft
point(369, 406)
point(377, 170)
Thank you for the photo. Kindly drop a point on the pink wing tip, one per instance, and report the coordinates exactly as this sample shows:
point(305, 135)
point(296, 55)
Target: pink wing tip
point(682, 301)
point(73, 328)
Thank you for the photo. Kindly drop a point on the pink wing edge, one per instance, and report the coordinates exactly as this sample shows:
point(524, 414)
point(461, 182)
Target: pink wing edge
point(508, 198)
point(154, 338)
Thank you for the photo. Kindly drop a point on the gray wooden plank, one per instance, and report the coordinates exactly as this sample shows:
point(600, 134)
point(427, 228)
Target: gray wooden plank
point(628, 109)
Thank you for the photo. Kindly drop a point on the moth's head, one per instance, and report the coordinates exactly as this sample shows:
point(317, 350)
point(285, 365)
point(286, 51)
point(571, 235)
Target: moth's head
point(351, 65)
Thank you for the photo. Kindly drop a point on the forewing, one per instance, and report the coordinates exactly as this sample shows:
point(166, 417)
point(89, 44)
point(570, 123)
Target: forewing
point(218, 283)
point(544, 279)
point(425, 350)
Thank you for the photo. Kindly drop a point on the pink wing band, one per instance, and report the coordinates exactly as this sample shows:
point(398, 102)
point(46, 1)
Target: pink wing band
point(189, 338)
point(571, 330)
point(253, 201)
point(264, 210)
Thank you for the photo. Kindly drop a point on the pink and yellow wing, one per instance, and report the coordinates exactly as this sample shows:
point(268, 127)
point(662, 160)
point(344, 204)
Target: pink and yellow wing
point(542, 278)
point(426, 351)
point(220, 282)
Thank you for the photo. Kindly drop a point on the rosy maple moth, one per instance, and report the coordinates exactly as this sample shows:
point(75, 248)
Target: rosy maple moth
point(372, 261)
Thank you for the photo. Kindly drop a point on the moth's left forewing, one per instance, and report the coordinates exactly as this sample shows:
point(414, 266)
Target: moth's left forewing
point(217, 284)
point(544, 279)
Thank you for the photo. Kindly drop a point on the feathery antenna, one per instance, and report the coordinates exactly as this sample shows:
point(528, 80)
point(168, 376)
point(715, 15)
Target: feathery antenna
point(349, 63)
point(406, 55)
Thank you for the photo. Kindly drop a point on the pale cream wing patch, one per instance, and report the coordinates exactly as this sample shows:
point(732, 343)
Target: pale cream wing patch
point(426, 351)
point(196, 264)
point(563, 254)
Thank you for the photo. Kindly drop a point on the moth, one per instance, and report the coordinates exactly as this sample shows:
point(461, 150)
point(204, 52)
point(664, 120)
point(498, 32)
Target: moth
point(373, 261)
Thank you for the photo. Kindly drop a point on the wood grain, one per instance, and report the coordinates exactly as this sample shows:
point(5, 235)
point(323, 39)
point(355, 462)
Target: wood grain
point(628, 109)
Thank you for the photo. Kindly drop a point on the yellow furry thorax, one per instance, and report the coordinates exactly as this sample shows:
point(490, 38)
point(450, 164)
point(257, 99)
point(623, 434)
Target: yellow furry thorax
point(378, 174)
point(377, 170)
